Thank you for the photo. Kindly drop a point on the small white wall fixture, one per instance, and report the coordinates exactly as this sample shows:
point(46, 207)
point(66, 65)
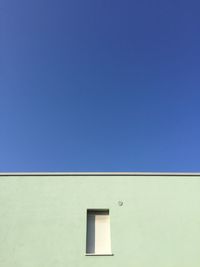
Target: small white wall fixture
point(98, 232)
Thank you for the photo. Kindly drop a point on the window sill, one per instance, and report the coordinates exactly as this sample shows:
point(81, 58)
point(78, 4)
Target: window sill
point(95, 254)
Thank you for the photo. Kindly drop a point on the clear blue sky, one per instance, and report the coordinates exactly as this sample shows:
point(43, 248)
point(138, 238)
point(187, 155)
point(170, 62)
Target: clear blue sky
point(99, 85)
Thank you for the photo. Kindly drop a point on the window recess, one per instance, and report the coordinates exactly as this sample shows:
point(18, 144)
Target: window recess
point(98, 241)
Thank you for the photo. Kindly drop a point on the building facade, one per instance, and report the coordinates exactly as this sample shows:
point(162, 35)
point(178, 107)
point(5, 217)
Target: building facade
point(99, 219)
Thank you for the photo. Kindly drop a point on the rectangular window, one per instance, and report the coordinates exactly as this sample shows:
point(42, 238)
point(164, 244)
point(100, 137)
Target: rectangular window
point(98, 233)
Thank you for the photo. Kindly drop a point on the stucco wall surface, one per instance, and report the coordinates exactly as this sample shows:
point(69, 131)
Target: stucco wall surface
point(43, 220)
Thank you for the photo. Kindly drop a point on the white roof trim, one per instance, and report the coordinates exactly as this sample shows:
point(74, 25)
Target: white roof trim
point(99, 174)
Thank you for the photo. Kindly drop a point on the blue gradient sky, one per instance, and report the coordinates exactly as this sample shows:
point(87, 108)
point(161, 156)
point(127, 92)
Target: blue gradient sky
point(99, 85)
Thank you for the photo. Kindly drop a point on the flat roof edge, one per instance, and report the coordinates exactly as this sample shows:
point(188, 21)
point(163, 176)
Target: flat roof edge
point(99, 174)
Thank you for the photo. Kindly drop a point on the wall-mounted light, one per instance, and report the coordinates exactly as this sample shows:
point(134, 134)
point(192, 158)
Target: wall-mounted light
point(120, 203)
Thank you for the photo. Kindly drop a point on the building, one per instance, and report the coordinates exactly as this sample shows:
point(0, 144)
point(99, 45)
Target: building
point(99, 219)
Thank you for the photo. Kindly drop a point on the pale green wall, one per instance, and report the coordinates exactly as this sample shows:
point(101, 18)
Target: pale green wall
point(43, 220)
